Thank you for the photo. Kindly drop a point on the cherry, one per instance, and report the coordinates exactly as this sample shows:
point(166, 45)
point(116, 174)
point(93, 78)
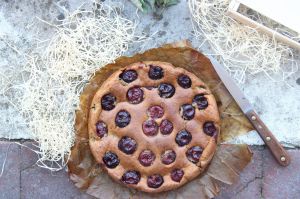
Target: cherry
point(155, 112)
point(184, 81)
point(135, 95)
point(187, 111)
point(194, 154)
point(168, 157)
point(101, 129)
point(122, 118)
point(200, 101)
point(131, 177)
point(146, 158)
point(155, 181)
point(183, 137)
point(127, 145)
point(177, 174)
point(209, 128)
point(166, 127)
point(150, 127)
point(108, 102)
point(111, 160)
point(155, 72)
point(128, 76)
point(166, 90)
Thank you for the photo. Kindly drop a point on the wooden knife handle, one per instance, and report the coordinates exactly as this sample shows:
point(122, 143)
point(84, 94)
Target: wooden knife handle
point(277, 150)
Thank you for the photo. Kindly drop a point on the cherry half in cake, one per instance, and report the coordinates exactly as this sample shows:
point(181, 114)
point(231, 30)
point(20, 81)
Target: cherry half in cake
point(184, 81)
point(166, 127)
point(187, 111)
point(131, 177)
point(166, 90)
point(155, 72)
point(183, 137)
point(101, 129)
point(151, 124)
point(150, 127)
point(177, 174)
point(122, 118)
point(168, 157)
point(155, 112)
point(155, 181)
point(128, 76)
point(108, 102)
point(135, 95)
point(127, 145)
point(200, 101)
point(193, 154)
point(146, 158)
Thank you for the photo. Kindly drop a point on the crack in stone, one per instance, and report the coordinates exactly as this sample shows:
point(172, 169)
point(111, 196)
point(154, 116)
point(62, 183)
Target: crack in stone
point(248, 183)
point(20, 177)
point(262, 172)
point(28, 167)
point(260, 177)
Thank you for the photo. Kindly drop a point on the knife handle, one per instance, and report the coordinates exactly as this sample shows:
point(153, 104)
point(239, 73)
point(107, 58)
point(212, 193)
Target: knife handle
point(279, 153)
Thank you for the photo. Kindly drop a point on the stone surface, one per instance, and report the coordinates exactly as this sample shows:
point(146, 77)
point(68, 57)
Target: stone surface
point(262, 178)
point(249, 184)
point(281, 182)
point(38, 182)
point(10, 178)
point(277, 103)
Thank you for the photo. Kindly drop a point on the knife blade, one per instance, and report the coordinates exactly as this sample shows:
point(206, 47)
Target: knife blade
point(276, 149)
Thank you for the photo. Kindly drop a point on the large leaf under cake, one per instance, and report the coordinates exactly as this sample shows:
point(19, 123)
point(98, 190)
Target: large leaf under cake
point(228, 161)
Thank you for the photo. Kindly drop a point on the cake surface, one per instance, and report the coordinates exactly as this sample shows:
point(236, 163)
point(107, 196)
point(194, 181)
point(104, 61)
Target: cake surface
point(153, 127)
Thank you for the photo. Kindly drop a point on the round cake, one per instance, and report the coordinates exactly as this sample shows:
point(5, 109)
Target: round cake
point(153, 126)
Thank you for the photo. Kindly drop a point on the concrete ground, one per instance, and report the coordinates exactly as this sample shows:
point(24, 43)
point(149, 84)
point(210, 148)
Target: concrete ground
point(277, 103)
point(263, 178)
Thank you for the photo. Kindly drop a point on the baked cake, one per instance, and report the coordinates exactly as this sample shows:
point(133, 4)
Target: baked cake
point(153, 127)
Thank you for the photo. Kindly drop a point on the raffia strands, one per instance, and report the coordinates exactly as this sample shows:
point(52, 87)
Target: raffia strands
point(85, 41)
point(242, 49)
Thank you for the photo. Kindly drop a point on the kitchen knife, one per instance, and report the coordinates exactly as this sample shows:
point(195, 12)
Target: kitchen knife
point(277, 150)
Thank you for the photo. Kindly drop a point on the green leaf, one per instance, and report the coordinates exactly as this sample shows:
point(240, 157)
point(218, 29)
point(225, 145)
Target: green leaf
point(170, 2)
point(144, 5)
point(138, 4)
point(166, 3)
point(148, 5)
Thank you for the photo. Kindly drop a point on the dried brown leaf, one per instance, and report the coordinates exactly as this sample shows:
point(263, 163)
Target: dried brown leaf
point(228, 161)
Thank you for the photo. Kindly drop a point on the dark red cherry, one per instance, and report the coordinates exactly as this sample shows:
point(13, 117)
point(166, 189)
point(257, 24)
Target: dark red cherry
point(150, 127)
point(155, 181)
point(128, 76)
point(155, 72)
point(111, 160)
point(146, 158)
point(101, 129)
point(194, 154)
point(184, 81)
point(183, 137)
point(127, 145)
point(166, 127)
point(135, 95)
point(168, 157)
point(201, 101)
point(177, 174)
point(155, 112)
point(131, 177)
point(187, 111)
point(122, 118)
point(209, 128)
point(108, 102)
point(166, 90)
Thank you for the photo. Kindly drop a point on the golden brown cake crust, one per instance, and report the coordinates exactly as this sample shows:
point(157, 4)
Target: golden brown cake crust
point(159, 142)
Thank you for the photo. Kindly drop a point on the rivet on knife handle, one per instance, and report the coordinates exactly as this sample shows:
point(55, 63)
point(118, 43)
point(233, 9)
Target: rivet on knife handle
point(277, 150)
